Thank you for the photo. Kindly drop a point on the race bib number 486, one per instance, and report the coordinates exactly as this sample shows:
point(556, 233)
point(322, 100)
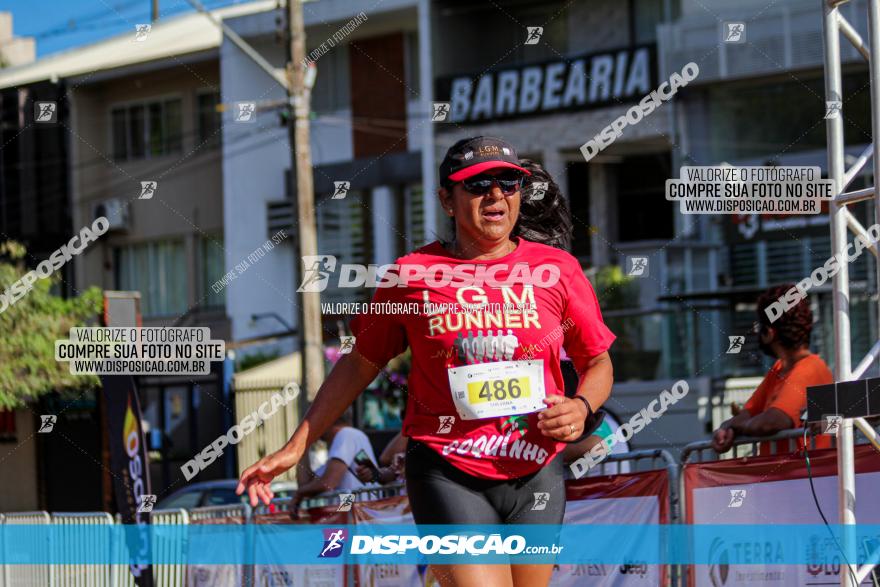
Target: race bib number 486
point(504, 388)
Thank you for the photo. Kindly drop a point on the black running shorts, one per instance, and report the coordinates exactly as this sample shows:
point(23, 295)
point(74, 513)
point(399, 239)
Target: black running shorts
point(439, 493)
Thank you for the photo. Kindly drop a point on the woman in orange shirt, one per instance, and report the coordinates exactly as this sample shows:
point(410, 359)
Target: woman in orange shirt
point(778, 402)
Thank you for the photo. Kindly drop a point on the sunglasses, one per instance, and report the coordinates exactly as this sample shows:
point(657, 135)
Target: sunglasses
point(480, 185)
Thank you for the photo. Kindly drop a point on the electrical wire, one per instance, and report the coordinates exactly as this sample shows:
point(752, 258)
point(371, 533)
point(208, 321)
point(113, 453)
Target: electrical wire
point(819, 508)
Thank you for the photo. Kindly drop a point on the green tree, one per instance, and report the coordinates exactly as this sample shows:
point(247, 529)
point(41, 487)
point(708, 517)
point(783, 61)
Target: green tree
point(28, 330)
point(615, 290)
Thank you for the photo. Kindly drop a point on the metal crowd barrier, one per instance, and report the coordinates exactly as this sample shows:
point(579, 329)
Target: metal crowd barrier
point(650, 456)
point(746, 446)
point(362, 494)
point(175, 574)
point(79, 575)
point(650, 460)
point(27, 575)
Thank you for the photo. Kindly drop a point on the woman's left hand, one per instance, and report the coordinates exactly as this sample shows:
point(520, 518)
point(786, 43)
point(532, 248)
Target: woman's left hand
point(563, 420)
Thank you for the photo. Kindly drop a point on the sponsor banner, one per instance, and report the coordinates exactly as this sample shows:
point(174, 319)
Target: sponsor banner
point(638, 499)
point(394, 510)
point(772, 492)
point(284, 575)
point(130, 468)
point(205, 575)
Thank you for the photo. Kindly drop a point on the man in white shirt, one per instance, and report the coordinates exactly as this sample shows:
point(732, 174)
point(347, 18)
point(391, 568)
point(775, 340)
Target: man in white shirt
point(338, 473)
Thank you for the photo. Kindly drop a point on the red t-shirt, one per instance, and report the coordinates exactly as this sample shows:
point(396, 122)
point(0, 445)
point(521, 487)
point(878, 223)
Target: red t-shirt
point(565, 314)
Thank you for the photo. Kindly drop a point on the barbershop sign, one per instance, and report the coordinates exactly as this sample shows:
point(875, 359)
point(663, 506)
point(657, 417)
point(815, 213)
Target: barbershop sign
point(580, 83)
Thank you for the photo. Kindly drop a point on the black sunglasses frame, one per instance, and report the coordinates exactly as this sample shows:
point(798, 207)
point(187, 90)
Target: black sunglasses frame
point(507, 186)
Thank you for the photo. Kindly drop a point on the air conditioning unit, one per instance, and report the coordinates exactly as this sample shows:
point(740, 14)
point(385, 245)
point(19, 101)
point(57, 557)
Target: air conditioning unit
point(116, 211)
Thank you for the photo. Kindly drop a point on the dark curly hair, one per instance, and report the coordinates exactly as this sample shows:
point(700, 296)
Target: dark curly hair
point(794, 326)
point(546, 220)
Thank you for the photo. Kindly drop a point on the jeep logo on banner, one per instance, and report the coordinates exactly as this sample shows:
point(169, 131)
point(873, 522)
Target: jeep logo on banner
point(131, 470)
point(608, 78)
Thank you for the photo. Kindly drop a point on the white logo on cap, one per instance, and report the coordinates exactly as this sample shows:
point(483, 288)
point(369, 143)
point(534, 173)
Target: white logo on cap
point(469, 155)
point(506, 150)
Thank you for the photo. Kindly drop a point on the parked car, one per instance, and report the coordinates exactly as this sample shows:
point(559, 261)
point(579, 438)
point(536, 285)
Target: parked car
point(219, 492)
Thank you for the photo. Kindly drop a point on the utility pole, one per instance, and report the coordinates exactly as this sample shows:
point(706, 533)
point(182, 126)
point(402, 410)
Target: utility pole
point(299, 94)
point(155, 11)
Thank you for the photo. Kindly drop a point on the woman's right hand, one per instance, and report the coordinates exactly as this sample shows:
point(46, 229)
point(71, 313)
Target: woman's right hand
point(257, 478)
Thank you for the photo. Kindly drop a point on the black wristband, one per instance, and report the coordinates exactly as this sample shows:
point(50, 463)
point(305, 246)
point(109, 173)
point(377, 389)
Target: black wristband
point(586, 403)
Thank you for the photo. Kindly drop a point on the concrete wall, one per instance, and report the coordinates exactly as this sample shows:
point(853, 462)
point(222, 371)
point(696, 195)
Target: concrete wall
point(255, 157)
point(188, 203)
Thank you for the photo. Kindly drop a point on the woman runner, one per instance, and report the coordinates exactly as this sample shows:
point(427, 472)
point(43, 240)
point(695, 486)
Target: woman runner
point(486, 416)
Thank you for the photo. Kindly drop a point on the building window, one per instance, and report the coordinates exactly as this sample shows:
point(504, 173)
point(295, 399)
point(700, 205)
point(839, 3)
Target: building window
point(342, 232)
point(157, 270)
point(332, 90)
point(643, 211)
point(414, 217)
point(647, 14)
point(149, 129)
point(209, 119)
point(579, 206)
point(212, 261)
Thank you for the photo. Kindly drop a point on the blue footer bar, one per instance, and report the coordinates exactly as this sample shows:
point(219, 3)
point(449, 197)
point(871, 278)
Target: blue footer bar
point(274, 544)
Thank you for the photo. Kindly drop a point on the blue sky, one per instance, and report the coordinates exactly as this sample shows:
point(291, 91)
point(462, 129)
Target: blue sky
point(63, 24)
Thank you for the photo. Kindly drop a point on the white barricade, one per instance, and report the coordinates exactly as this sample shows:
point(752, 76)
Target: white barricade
point(226, 575)
point(162, 544)
point(27, 575)
point(66, 540)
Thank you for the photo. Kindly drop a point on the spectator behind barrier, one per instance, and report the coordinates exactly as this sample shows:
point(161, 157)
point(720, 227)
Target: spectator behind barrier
point(338, 473)
point(779, 400)
point(391, 461)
